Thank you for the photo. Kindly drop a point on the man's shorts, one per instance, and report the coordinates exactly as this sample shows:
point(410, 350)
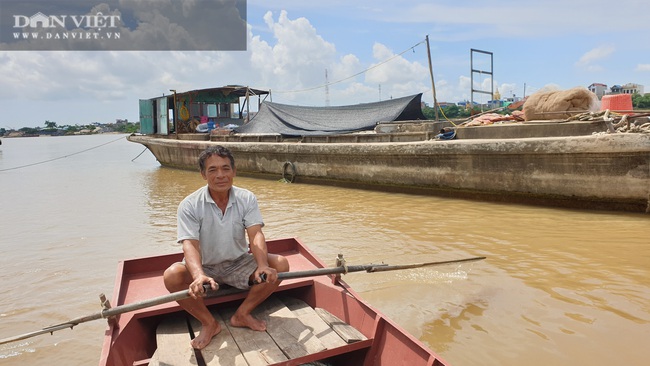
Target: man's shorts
point(235, 273)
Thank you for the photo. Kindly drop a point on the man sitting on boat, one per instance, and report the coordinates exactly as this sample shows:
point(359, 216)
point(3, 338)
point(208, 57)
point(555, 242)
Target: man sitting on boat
point(212, 223)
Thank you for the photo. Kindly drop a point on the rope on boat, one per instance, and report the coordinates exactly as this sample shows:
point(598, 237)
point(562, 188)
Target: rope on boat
point(60, 157)
point(618, 122)
point(340, 262)
point(352, 76)
point(145, 149)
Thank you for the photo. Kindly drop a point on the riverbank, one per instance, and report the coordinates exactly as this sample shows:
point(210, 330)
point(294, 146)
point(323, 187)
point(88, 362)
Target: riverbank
point(18, 134)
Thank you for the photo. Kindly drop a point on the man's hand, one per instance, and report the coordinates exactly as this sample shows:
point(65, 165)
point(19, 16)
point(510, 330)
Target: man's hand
point(196, 289)
point(270, 275)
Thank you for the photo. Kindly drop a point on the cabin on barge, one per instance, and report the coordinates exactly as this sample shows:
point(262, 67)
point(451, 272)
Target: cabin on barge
point(184, 112)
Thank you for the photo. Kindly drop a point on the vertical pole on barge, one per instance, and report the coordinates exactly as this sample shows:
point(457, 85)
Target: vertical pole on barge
point(175, 114)
point(248, 105)
point(433, 85)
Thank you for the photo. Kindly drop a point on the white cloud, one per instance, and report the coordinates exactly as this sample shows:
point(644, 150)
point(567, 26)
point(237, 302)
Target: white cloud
point(292, 53)
point(595, 54)
point(507, 90)
point(300, 57)
point(391, 68)
point(295, 59)
point(345, 68)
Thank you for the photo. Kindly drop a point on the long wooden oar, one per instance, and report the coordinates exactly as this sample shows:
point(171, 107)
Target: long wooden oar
point(370, 268)
point(184, 294)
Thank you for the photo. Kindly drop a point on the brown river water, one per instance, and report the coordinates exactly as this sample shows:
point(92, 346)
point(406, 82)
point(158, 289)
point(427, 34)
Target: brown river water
point(558, 287)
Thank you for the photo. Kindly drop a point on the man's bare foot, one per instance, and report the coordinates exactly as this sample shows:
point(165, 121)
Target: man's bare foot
point(205, 336)
point(248, 321)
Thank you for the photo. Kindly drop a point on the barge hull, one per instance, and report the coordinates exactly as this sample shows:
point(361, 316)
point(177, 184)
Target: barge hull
point(606, 172)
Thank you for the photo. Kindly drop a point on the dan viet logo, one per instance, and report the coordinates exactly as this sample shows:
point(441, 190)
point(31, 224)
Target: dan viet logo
point(98, 20)
point(41, 26)
point(123, 25)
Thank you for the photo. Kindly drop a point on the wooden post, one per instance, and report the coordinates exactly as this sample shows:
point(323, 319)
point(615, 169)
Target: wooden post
point(248, 106)
point(433, 85)
point(175, 114)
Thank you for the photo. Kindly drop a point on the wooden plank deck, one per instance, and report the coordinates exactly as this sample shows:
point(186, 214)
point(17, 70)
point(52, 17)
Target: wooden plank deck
point(294, 330)
point(173, 334)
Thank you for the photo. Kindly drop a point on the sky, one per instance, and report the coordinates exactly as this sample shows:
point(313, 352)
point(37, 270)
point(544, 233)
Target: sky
point(370, 50)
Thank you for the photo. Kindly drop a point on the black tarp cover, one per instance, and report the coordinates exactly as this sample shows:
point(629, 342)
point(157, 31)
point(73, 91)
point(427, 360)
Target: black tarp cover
point(289, 120)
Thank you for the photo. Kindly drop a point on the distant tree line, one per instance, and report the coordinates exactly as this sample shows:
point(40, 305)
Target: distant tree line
point(52, 128)
point(641, 101)
point(449, 111)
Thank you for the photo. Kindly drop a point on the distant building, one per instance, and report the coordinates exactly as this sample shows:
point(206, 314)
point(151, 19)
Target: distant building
point(495, 103)
point(629, 88)
point(513, 99)
point(601, 89)
point(616, 89)
point(632, 88)
point(465, 103)
point(598, 89)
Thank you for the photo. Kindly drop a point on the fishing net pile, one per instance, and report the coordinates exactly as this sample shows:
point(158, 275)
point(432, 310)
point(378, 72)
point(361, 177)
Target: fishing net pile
point(492, 118)
point(550, 104)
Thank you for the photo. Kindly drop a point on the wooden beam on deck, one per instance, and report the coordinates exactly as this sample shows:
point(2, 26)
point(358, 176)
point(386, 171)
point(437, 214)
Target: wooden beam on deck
point(343, 329)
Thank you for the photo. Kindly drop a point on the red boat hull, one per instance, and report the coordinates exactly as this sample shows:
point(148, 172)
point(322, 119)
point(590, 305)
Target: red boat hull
point(131, 340)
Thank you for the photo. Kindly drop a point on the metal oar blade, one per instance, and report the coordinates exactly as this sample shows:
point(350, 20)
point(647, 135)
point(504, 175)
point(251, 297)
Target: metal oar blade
point(383, 268)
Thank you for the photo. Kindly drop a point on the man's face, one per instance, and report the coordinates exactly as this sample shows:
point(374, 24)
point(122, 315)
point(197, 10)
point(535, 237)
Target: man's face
point(218, 173)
